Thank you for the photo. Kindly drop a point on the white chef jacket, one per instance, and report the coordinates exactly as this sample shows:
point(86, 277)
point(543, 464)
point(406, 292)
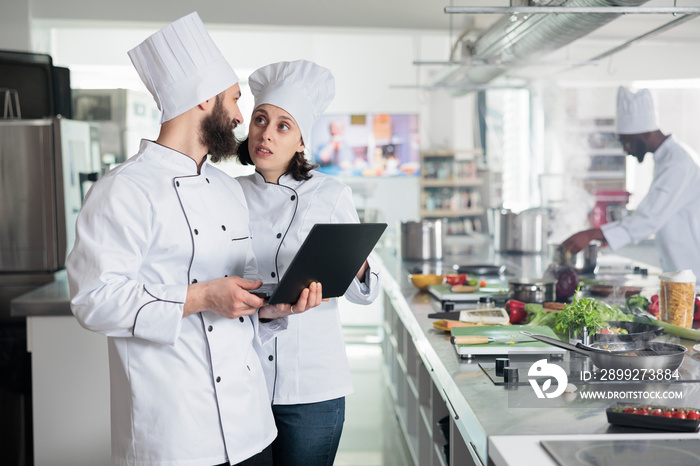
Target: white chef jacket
point(307, 363)
point(671, 209)
point(184, 391)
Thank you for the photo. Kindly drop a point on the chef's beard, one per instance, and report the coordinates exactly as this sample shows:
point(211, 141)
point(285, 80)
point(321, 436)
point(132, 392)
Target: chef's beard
point(216, 133)
point(640, 150)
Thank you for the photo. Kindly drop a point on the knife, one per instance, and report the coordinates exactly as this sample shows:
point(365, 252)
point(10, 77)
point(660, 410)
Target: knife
point(480, 340)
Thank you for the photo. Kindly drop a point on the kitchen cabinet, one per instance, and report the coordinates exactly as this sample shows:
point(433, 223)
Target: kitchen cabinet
point(450, 190)
point(426, 417)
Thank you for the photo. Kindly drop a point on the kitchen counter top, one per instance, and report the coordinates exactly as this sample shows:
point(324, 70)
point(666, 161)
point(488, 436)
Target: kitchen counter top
point(52, 299)
point(482, 409)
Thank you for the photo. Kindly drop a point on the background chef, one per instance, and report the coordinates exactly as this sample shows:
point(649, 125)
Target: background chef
point(671, 208)
point(161, 245)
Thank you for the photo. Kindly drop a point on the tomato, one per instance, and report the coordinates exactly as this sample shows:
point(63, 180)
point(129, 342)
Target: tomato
point(657, 412)
point(517, 311)
point(655, 298)
point(482, 283)
point(643, 412)
point(679, 415)
point(694, 415)
point(456, 279)
point(653, 308)
point(630, 410)
point(667, 414)
point(605, 331)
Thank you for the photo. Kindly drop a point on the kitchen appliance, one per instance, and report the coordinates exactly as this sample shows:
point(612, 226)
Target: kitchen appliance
point(47, 165)
point(532, 290)
point(422, 240)
point(583, 262)
point(524, 232)
point(42, 88)
point(609, 206)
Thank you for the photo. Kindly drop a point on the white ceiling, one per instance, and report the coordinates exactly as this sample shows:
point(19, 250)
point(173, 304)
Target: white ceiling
point(404, 14)
point(426, 15)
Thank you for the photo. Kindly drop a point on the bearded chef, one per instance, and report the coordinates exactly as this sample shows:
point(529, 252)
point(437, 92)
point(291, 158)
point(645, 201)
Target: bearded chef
point(162, 265)
point(671, 209)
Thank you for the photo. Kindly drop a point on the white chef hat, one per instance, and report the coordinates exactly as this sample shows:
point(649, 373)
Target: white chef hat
point(635, 112)
point(181, 66)
point(301, 88)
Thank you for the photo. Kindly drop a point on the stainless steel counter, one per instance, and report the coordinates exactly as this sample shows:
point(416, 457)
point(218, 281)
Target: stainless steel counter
point(52, 299)
point(482, 409)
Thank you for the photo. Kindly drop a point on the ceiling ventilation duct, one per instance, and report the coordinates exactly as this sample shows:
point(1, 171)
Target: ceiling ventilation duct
point(519, 38)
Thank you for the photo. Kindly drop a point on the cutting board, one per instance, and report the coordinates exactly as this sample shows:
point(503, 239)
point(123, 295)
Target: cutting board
point(444, 292)
point(509, 332)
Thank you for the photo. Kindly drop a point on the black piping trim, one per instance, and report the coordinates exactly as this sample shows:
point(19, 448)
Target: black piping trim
point(155, 300)
point(277, 273)
point(296, 205)
point(240, 239)
point(182, 207)
point(274, 380)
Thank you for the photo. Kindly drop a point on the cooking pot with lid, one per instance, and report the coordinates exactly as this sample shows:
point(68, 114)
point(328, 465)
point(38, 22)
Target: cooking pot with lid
point(532, 290)
point(584, 262)
point(422, 240)
point(523, 232)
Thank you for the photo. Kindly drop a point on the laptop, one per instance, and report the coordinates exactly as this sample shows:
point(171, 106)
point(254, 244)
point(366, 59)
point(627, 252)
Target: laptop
point(331, 254)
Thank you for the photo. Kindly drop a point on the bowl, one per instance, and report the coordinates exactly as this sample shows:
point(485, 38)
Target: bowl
point(422, 281)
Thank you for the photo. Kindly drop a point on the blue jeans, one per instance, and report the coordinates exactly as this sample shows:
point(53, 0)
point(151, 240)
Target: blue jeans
point(308, 434)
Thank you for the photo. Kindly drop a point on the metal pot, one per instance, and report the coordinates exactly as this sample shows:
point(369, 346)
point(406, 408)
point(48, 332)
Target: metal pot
point(524, 232)
point(648, 355)
point(422, 240)
point(584, 262)
point(530, 290)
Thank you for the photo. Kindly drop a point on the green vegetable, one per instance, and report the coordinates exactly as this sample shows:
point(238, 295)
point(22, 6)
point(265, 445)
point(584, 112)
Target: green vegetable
point(582, 312)
point(637, 304)
point(687, 333)
point(532, 307)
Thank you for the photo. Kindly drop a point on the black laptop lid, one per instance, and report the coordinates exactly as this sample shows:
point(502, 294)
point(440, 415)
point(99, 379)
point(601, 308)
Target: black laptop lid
point(331, 254)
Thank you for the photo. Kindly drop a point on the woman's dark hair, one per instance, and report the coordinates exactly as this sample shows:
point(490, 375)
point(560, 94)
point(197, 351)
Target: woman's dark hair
point(298, 167)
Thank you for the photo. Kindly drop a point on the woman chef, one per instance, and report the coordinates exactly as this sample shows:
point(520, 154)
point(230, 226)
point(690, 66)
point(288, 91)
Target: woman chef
point(671, 208)
point(161, 244)
point(306, 367)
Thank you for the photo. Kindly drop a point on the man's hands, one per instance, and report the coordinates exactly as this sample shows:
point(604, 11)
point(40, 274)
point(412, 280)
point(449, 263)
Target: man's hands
point(310, 298)
point(581, 240)
point(227, 297)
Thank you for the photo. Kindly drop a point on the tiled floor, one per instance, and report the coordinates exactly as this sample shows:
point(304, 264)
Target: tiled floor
point(361, 442)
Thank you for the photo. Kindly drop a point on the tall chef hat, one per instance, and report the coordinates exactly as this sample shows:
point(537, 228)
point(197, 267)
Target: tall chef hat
point(301, 88)
point(181, 66)
point(635, 112)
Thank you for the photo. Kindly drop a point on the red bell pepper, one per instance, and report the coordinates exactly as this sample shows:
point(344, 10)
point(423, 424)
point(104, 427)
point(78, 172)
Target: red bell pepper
point(517, 311)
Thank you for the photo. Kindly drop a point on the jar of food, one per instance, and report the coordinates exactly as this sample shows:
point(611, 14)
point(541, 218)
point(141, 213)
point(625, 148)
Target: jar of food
point(485, 302)
point(677, 298)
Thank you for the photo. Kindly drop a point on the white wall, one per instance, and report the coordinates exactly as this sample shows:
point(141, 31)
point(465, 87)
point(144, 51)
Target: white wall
point(14, 25)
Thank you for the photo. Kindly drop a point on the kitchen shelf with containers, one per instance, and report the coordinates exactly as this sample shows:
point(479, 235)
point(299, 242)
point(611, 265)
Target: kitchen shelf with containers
point(449, 189)
point(607, 160)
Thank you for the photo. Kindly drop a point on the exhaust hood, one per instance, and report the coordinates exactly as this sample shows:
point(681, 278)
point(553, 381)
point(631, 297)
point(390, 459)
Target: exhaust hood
point(523, 37)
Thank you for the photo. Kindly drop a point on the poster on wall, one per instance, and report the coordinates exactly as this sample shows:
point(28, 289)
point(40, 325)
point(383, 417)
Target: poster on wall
point(367, 145)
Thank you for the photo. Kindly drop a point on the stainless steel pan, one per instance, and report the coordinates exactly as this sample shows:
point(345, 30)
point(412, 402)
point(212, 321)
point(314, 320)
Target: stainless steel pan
point(645, 355)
